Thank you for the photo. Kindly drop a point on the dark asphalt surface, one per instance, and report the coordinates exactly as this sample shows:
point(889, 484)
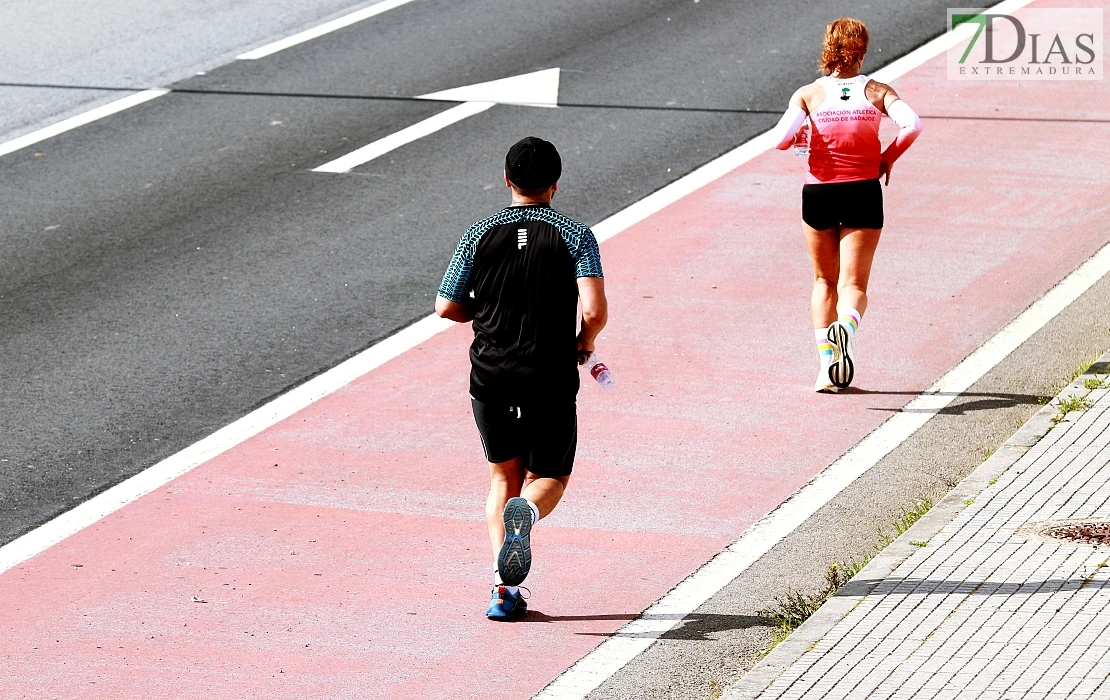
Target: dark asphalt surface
point(170, 268)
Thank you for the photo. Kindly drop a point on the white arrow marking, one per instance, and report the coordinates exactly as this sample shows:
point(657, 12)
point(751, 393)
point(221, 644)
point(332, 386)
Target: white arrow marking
point(539, 89)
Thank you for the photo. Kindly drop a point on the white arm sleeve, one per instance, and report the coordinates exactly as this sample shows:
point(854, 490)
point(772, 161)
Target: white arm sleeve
point(784, 132)
point(904, 116)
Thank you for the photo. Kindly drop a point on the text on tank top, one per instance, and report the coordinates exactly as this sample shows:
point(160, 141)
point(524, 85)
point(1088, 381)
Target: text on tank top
point(844, 133)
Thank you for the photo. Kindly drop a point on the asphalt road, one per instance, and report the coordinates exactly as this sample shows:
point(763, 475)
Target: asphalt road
point(127, 44)
point(173, 266)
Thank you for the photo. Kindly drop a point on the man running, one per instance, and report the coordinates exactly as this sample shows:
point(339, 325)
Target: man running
point(520, 275)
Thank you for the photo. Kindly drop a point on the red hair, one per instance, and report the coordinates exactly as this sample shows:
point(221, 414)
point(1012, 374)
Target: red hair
point(846, 42)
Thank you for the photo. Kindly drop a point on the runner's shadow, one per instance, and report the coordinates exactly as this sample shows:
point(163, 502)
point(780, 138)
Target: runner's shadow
point(537, 616)
point(695, 627)
point(958, 408)
point(987, 401)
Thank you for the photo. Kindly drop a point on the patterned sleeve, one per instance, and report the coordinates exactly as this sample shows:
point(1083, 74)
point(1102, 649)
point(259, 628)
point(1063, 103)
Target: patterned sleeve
point(587, 257)
point(454, 284)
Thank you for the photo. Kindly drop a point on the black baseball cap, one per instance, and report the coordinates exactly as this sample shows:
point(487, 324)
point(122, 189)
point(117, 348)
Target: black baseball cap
point(533, 164)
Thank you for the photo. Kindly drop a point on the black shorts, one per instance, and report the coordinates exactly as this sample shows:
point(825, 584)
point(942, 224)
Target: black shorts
point(545, 434)
point(856, 204)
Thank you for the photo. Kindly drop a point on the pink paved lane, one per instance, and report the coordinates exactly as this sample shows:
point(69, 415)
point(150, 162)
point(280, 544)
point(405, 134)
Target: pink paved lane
point(342, 553)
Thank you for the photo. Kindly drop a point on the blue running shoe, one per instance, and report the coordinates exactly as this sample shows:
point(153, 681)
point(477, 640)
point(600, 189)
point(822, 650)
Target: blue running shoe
point(505, 606)
point(515, 557)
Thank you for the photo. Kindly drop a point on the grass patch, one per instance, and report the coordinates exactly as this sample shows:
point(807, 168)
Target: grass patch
point(1043, 400)
point(1096, 383)
point(993, 481)
point(795, 607)
point(969, 501)
point(904, 522)
point(919, 543)
point(1070, 404)
point(1082, 369)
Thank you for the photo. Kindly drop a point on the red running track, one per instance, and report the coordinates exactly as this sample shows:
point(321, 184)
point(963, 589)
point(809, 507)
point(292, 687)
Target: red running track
point(342, 553)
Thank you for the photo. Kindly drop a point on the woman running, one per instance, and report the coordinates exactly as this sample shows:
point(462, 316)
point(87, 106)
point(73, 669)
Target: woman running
point(842, 201)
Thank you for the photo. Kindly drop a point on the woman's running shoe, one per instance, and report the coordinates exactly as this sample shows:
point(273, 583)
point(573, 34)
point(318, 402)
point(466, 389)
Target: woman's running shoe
point(841, 368)
point(504, 605)
point(515, 557)
point(823, 385)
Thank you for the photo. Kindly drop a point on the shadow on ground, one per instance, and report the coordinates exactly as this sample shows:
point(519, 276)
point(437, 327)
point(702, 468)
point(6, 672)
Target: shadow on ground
point(695, 627)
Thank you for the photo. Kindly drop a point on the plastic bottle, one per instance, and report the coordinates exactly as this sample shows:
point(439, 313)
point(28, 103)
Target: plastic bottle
point(801, 140)
point(600, 372)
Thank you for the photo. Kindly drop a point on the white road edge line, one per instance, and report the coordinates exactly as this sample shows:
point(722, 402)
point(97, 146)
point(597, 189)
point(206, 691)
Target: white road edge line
point(409, 134)
point(80, 120)
point(147, 95)
point(54, 531)
point(146, 481)
point(321, 30)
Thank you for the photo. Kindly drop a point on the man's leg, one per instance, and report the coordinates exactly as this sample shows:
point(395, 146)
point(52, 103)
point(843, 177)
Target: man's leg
point(505, 481)
point(544, 491)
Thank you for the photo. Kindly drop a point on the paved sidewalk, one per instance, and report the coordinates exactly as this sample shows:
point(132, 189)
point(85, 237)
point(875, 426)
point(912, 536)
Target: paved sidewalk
point(988, 608)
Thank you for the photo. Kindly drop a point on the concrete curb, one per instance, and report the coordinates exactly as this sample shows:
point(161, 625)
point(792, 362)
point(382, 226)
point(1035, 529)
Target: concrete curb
point(753, 683)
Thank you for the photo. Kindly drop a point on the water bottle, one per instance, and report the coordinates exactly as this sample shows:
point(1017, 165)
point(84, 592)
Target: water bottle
point(801, 140)
point(600, 372)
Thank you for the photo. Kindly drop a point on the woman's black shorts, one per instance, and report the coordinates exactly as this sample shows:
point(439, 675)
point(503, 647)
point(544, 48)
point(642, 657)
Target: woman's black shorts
point(856, 204)
point(544, 434)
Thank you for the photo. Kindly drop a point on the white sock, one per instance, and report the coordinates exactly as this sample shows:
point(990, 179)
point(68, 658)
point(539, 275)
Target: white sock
point(535, 511)
point(849, 318)
point(824, 350)
point(498, 582)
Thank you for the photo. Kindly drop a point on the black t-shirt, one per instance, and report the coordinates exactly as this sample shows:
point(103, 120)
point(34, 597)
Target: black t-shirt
point(516, 272)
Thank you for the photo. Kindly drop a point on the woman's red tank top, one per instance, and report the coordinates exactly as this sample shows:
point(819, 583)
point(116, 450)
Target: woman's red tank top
point(844, 134)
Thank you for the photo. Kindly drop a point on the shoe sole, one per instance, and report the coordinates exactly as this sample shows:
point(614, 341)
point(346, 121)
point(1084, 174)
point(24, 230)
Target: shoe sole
point(841, 370)
point(515, 558)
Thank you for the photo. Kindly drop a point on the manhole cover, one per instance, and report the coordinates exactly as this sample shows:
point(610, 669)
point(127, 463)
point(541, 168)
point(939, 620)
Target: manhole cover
point(1096, 532)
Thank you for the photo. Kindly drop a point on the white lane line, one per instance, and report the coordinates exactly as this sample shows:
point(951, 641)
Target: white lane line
point(407, 135)
point(80, 120)
point(92, 510)
point(160, 474)
point(321, 30)
point(678, 189)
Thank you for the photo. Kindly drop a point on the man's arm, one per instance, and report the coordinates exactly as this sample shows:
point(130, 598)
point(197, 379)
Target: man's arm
point(454, 289)
point(595, 313)
point(452, 310)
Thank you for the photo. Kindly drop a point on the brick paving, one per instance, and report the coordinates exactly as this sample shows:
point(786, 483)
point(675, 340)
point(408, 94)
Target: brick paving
point(987, 609)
